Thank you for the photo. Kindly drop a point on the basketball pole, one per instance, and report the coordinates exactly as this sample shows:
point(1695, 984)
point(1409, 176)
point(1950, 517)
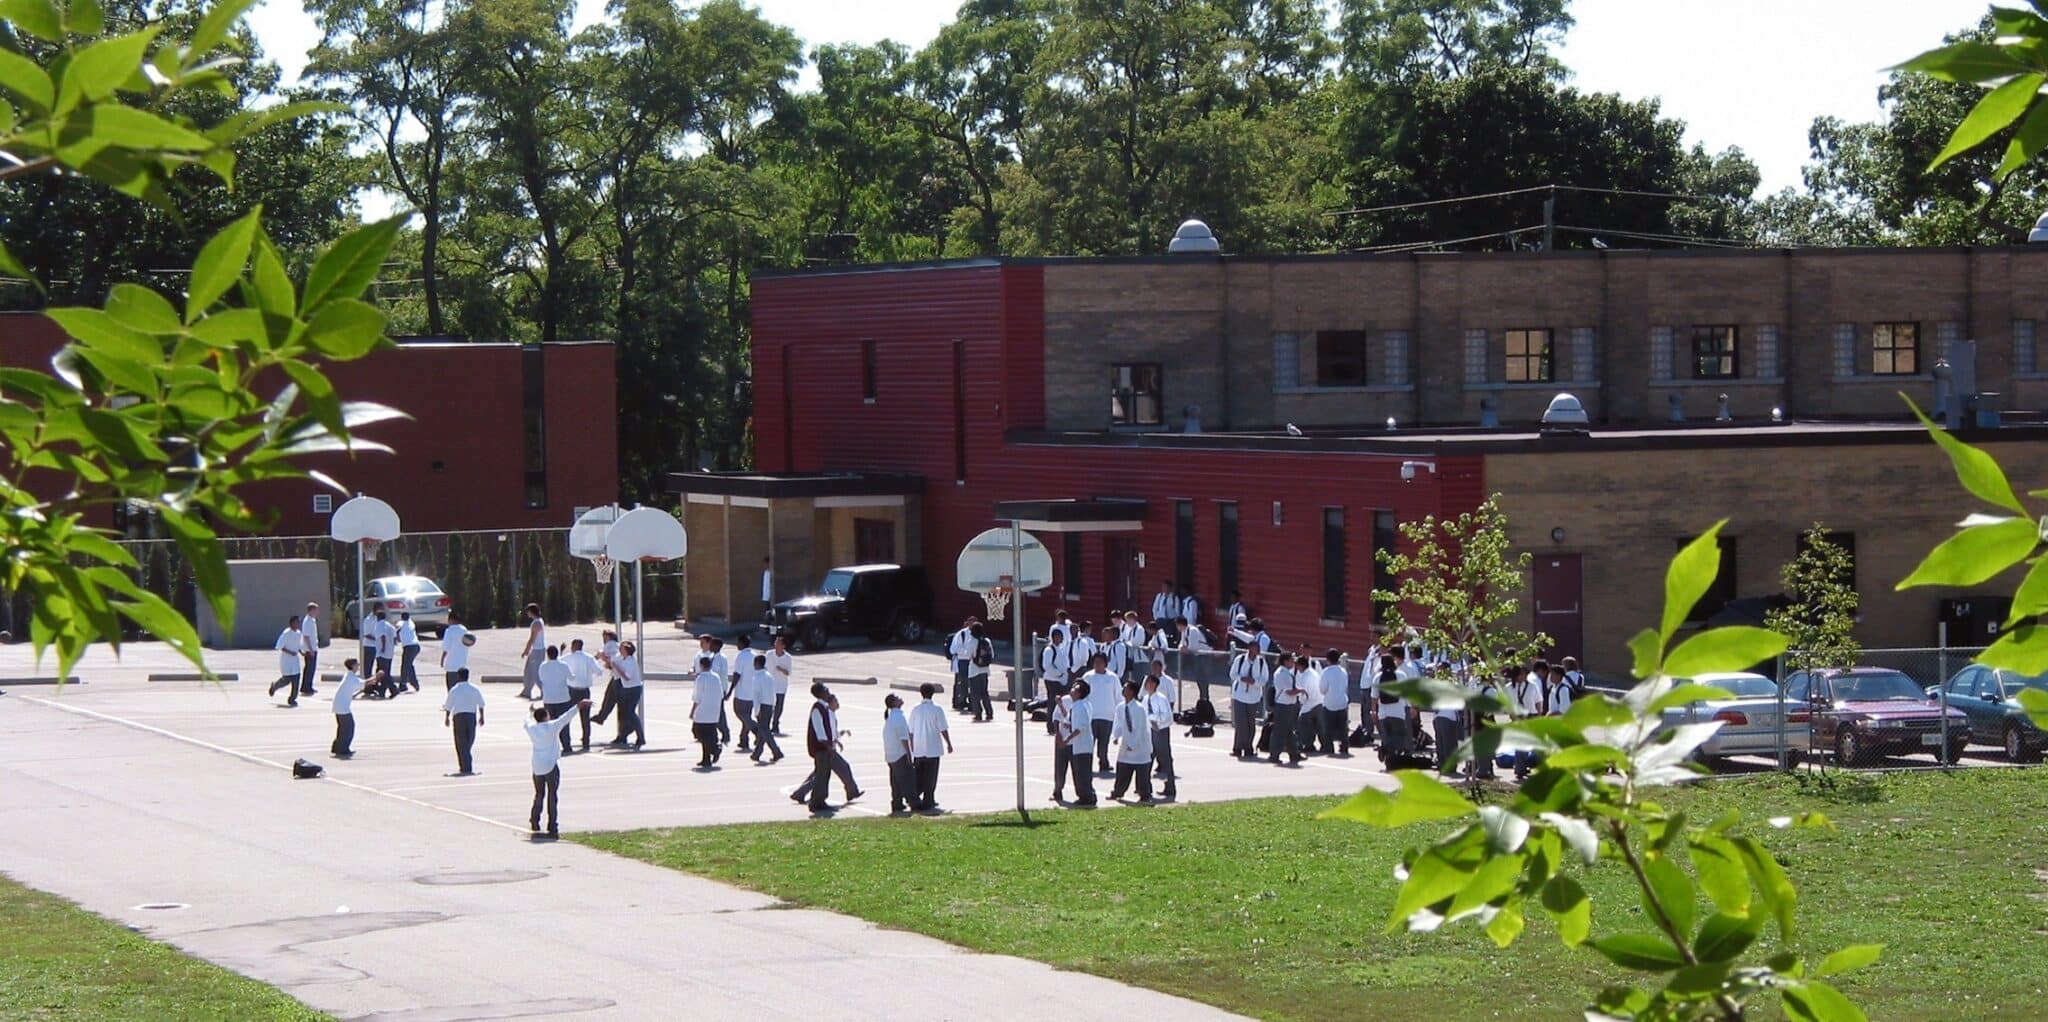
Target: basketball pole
point(362, 598)
point(618, 591)
point(1017, 656)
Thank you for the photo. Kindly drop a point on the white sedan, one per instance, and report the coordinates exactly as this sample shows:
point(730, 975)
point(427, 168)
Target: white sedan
point(1749, 719)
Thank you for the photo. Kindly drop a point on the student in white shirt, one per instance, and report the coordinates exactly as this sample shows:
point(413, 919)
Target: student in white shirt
point(309, 651)
point(463, 710)
point(896, 754)
point(980, 655)
point(1309, 721)
point(1137, 647)
point(387, 651)
point(456, 641)
point(1112, 646)
point(767, 588)
point(289, 643)
point(740, 689)
point(929, 739)
point(1165, 606)
point(1131, 727)
point(544, 732)
point(344, 710)
point(1557, 693)
point(1159, 714)
point(1103, 687)
point(536, 647)
point(782, 666)
point(627, 664)
point(1056, 668)
point(1059, 721)
point(554, 690)
point(763, 680)
point(1449, 727)
point(1062, 625)
point(1190, 609)
point(823, 740)
point(1078, 734)
point(707, 696)
point(583, 672)
point(1249, 676)
point(607, 658)
point(1336, 705)
point(1081, 644)
point(1287, 696)
point(960, 649)
point(1525, 699)
point(408, 650)
point(1194, 645)
point(1391, 710)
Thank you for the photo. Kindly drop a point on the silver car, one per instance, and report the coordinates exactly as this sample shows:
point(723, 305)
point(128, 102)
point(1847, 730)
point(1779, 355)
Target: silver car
point(391, 594)
point(1749, 721)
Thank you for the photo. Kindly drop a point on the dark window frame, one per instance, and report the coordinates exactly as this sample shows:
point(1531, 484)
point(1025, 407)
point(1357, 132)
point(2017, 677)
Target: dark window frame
point(1227, 547)
point(1071, 578)
point(1124, 394)
point(1386, 535)
point(1718, 345)
point(1342, 348)
point(1526, 362)
point(1184, 543)
point(1887, 351)
point(1726, 587)
point(1335, 559)
point(869, 376)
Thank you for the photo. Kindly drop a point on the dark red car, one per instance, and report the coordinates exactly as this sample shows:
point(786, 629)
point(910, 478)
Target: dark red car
point(1865, 713)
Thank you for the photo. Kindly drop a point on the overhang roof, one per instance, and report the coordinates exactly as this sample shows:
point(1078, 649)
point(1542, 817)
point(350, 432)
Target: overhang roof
point(794, 484)
point(1093, 515)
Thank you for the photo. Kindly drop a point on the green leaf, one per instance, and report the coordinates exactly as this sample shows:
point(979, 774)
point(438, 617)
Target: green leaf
point(346, 329)
point(1688, 578)
point(2023, 649)
point(1585, 757)
point(1734, 648)
point(97, 70)
point(144, 311)
point(1431, 879)
point(1505, 831)
point(1721, 874)
point(214, 27)
point(1699, 981)
point(1673, 890)
point(1644, 951)
point(1975, 554)
point(1814, 1001)
point(2035, 702)
point(274, 294)
point(163, 622)
point(1992, 114)
point(38, 18)
point(1505, 925)
point(351, 263)
point(116, 124)
point(94, 328)
point(1648, 649)
point(220, 263)
point(1567, 903)
point(1422, 798)
point(1722, 937)
point(1773, 886)
point(27, 82)
point(203, 552)
point(13, 268)
point(84, 17)
point(1965, 62)
point(1495, 877)
point(1849, 959)
point(1976, 470)
point(2026, 143)
point(2031, 599)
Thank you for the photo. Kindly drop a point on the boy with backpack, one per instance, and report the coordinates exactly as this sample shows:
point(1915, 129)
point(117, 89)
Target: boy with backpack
point(981, 656)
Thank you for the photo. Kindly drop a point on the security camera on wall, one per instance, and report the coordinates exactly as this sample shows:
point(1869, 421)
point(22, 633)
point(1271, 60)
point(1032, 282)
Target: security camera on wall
point(1409, 469)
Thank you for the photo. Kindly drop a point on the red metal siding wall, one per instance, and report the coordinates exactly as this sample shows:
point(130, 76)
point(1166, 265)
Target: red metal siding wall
point(1024, 347)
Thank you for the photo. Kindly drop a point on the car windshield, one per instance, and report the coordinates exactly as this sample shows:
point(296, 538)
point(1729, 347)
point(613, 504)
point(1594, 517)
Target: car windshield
point(1877, 686)
point(836, 583)
point(421, 586)
point(2013, 683)
point(1744, 688)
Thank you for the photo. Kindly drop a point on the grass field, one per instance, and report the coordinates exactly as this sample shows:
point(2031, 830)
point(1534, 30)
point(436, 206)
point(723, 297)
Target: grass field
point(1258, 907)
point(58, 961)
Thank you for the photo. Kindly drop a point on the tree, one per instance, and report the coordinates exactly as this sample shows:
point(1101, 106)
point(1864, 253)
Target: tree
point(1457, 578)
point(1392, 40)
point(1587, 800)
point(1820, 623)
point(154, 402)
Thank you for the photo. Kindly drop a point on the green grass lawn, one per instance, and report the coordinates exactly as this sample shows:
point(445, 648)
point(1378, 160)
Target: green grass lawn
point(1260, 908)
point(58, 961)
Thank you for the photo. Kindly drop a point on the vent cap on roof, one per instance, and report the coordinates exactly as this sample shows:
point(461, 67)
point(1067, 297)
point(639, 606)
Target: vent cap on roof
point(2040, 231)
point(1194, 238)
point(1565, 410)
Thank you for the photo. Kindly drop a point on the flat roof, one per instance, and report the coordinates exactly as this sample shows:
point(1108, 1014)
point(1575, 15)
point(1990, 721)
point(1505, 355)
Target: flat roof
point(795, 484)
point(1100, 514)
point(1428, 440)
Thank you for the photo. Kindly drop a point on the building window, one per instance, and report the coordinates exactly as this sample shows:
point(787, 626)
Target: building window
point(2023, 357)
point(867, 370)
point(1070, 563)
point(1660, 353)
point(1895, 349)
point(1475, 357)
point(1286, 361)
point(1385, 534)
point(959, 411)
point(1184, 543)
point(1845, 350)
point(1226, 548)
point(1529, 358)
point(1134, 398)
point(1847, 542)
point(1767, 352)
point(1714, 352)
point(533, 370)
point(1333, 563)
point(1394, 353)
point(1722, 592)
point(1585, 354)
point(1340, 358)
point(323, 503)
point(1946, 334)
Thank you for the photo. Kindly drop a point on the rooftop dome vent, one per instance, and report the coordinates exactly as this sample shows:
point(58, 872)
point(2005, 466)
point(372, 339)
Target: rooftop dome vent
point(1194, 238)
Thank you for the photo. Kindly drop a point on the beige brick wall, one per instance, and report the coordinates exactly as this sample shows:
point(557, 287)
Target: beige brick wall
point(1624, 513)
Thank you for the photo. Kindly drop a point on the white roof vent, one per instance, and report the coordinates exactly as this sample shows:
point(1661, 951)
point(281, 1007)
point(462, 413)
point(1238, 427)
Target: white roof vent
point(2040, 231)
point(1565, 410)
point(1194, 238)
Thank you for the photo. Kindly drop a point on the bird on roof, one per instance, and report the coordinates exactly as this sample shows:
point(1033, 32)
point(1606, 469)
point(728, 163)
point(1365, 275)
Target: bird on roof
point(1294, 430)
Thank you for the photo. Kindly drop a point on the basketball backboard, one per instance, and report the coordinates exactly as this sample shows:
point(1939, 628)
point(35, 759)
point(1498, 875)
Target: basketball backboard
point(987, 560)
point(587, 536)
point(646, 533)
point(364, 518)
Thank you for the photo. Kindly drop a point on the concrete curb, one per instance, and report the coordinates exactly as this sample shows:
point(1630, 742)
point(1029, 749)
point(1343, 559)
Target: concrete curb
point(847, 681)
point(229, 676)
point(41, 681)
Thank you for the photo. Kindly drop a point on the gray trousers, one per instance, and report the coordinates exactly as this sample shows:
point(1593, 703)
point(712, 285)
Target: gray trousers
point(834, 764)
point(764, 733)
point(1448, 734)
point(902, 784)
point(1084, 781)
point(1244, 733)
point(1337, 731)
point(813, 790)
point(1286, 721)
point(744, 710)
point(1162, 757)
point(1103, 729)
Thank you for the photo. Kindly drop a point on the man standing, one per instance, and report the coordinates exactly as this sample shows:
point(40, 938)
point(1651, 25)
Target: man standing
point(1248, 677)
point(707, 697)
point(535, 650)
point(1190, 608)
point(978, 661)
point(1056, 667)
point(1080, 743)
point(1059, 722)
point(554, 690)
point(1165, 606)
point(627, 664)
point(928, 732)
point(764, 710)
point(1287, 693)
point(741, 692)
point(385, 636)
point(821, 740)
point(409, 651)
point(547, 765)
point(960, 648)
point(1336, 705)
point(463, 710)
point(309, 652)
point(583, 672)
point(1159, 712)
point(289, 643)
point(896, 753)
point(344, 710)
point(781, 665)
point(1133, 732)
point(455, 644)
point(1102, 691)
point(767, 588)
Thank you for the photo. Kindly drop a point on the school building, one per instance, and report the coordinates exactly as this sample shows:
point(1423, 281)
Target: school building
point(500, 435)
point(1264, 423)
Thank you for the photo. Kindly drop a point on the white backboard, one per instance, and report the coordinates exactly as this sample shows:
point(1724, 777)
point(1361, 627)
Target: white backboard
point(587, 536)
point(987, 558)
point(646, 532)
point(364, 518)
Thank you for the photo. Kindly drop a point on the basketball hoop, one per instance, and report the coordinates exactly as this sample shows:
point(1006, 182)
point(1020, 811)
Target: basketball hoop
point(603, 565)
point(369, 548)
point(997, 599)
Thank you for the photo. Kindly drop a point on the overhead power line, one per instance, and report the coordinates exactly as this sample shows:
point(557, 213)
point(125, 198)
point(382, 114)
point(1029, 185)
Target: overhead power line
point(1584, 189)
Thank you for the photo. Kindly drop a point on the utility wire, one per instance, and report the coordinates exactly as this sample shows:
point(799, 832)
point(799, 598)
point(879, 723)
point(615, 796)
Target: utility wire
point(1646, 236)
point(1410, 246)
point(1391, 207)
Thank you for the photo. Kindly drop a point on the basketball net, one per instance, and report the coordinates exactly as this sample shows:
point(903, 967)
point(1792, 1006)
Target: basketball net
point(998, 599)
point(370, 549)
point(604, 569)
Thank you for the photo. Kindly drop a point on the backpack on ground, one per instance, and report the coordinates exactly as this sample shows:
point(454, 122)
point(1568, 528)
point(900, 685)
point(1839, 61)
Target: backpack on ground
point(304, 769)
point(1360, 737)
point(1204, 712)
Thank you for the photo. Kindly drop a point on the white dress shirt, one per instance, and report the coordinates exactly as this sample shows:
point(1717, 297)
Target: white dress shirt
point(1190, 610)
point(309, 627)
point(465, 697)
point(628, 669)
point(554, 682)
point(895, 735)
point(1249, 675)
point(289, 642)
point(1169, 689)
point(1083, 732)
point(345, 693)
point(547, 742)
point(927, 725)
point(1105, 690)
point(454, 655)
point(1131, 726)
point(1165, 607)
point(780, 666)
point(961, 647)
point(1336, 688)
point(583, 669)
point(1159, 709)
point(1056, 663)
point(708, 692)
point(408, 633)
point(1286, 690)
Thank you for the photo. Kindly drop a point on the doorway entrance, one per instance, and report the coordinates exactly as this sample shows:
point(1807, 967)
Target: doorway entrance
point(1556, 579)
point(874, 540)
point(1120, 573)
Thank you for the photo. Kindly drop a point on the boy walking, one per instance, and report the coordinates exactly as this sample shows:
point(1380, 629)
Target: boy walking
point(463, 711)
point(344, 710)
point(289, 644)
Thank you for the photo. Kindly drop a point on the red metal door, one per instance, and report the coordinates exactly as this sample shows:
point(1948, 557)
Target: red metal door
point(1120, 574)
point(1559, 611)
point(874, 540)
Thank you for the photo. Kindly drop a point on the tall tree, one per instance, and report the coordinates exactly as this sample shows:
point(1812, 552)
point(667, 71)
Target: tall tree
point(974, 79)
point(1391, 40)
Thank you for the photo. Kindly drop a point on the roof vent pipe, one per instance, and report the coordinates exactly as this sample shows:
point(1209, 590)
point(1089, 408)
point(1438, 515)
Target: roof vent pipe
point(1565, 417)
point(2040, 231)
point(1489, 414)
point(1194, 237)
point(1191, 419)
point(1721, 410)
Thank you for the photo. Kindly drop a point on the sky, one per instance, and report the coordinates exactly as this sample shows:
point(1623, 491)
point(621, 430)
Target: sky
point(1746, 73)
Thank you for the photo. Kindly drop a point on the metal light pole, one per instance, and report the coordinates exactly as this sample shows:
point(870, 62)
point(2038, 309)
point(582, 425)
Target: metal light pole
point(1017, 648)
point(619, 592)
point(362, 597)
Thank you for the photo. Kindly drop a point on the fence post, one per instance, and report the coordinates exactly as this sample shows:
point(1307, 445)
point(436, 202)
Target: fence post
point(1783, 721)
point(1941, 688)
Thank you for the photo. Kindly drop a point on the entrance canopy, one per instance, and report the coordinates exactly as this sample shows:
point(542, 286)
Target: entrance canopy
point(1101, 514)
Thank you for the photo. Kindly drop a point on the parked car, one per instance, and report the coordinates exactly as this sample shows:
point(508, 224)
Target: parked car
point(1989, 697)
point(885, 602)
point(1749, 719)
point(394, 593)
point(1863, 713)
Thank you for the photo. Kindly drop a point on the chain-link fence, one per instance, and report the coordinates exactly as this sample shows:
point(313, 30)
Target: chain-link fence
point(1890, 708)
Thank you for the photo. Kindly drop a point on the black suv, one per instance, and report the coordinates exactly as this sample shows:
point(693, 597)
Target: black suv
point(885, 602)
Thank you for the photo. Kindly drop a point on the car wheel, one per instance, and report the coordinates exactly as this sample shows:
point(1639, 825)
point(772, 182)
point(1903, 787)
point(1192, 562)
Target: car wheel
point(815, 636)
point(1954, 752)
point(908, 629)
point(1848, 751)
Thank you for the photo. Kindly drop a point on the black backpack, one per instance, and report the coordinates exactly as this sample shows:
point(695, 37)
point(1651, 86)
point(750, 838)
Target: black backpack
point(1386, 698)
point(984, 653)
point(304, 769)
point(1201, 720)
